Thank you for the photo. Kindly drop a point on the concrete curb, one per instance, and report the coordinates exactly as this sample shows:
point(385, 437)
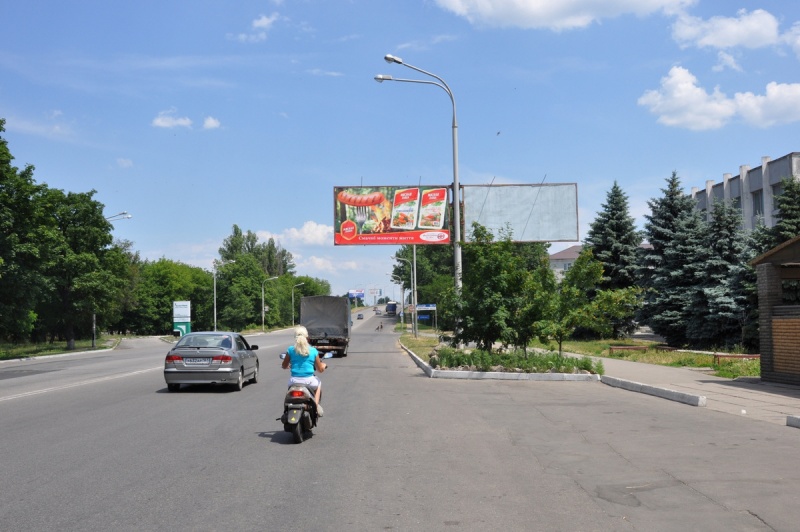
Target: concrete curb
point(496, 375)
point(793, 421)
point(664, 393)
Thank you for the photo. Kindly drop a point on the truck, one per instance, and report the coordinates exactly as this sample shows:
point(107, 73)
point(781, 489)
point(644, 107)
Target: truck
point(328, 321)
point(391, 308)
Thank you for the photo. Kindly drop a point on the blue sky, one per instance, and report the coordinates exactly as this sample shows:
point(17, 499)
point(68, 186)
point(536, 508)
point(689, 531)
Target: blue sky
point(194, 116)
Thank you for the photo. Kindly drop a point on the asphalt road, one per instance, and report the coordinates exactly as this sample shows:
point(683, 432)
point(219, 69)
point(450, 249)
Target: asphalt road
point(95, 442)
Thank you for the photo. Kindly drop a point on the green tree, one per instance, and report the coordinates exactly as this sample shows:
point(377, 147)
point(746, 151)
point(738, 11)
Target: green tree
point(656, 266)
point(26, 240)
point(788, 204)
point(81, 283)
point(615, 241)
point(577, 302)
point(676, 289)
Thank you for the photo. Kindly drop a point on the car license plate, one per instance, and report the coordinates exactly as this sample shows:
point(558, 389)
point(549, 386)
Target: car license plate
point(196, 360)
point(324, 342)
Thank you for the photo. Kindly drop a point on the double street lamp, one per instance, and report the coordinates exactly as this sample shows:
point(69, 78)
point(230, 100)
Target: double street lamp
point(124, 215)
point(295, 286)
point(456, 188)
point(216, 265)
point(263, 308)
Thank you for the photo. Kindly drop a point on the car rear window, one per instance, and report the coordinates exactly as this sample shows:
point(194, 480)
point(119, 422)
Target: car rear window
point(206, 340)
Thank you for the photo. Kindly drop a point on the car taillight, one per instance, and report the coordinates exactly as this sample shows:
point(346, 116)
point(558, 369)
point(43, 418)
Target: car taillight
point(171, 359)
point(222, 359)
point(297, 394)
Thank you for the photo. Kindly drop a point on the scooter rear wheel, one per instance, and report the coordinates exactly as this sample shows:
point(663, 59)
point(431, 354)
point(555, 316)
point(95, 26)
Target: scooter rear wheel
point(297, 432)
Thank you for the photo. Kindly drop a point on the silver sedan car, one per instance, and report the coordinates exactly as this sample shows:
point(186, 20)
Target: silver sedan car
point(211, 358)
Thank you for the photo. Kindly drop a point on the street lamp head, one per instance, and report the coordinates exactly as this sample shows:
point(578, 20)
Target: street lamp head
point(380, 78)
point(389, 58)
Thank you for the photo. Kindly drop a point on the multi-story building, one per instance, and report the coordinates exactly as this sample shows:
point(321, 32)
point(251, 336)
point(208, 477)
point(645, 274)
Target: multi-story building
point(753, 191)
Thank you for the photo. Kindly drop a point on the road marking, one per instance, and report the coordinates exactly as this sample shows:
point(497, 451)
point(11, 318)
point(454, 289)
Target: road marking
point(75, 384)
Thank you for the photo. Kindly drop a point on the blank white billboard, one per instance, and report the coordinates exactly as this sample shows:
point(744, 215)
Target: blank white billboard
point(534, 213)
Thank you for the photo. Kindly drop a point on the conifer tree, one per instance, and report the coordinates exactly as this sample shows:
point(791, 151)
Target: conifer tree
point(615, 241)
point(788, 204)
point(715, 316)
point(656, 266)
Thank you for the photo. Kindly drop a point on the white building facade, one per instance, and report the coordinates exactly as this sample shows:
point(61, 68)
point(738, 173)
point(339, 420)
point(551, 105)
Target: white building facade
point(753, 191)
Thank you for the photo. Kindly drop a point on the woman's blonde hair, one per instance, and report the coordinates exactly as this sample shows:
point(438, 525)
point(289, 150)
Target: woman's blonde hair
point(301, 341)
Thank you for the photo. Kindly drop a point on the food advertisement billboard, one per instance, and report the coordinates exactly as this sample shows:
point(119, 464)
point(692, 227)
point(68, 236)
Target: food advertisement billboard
point(391, 215)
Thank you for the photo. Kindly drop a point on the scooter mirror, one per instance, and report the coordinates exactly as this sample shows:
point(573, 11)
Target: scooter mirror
point(328, 355)
point(283, 355)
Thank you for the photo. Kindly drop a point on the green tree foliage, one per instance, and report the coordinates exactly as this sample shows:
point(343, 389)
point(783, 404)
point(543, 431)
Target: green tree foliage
point(614, 241)
point(656, 266)
point(718, 307)
point(577, 301)
point(788, 204)
point(271, 258)
point(26, 238)
point(81, 283)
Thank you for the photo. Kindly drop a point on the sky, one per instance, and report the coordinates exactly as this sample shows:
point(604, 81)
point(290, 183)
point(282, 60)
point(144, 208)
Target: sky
point(197, 115)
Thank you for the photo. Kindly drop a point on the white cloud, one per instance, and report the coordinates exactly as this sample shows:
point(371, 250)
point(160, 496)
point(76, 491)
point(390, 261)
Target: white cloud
point(780, 105)
point(555, 15)
point(260, 26)
point(211, 123)
point(792, 38)
point(50, 131)
point(124, 163)
point(166, 119)
point(265, 22)
point(726, 60)
point(311, 233)
point(681, 102)
point(320, 72)
point(314, 265)
point(749, 30)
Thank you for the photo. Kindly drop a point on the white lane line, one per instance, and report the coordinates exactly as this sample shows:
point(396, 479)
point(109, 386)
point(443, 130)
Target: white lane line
point(75, 384)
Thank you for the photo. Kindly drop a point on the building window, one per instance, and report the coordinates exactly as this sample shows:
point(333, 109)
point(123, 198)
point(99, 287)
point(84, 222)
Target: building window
point(758, 203)
point(567, 266)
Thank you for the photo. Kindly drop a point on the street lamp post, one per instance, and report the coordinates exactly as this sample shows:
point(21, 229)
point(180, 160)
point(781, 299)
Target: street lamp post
point(413, 290)
point(295, 286)
point(456, 188)
point(216, 265)
point(263, 310)
point(124, 215)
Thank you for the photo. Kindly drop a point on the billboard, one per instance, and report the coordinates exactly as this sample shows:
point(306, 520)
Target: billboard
point(358, 293)
point(395, 215)
point(534, 213)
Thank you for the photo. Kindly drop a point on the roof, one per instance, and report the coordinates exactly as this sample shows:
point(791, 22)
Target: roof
point(571, 252)
point(786, 253)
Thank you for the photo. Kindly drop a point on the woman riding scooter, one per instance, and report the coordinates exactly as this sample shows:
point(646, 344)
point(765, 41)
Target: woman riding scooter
point(304, 359)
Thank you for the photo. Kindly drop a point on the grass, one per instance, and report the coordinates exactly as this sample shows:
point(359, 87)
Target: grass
point(13, 351)
point(728, 368)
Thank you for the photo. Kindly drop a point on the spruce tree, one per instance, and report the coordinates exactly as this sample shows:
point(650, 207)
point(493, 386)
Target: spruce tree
point(656, 267)
point(716, 313)
point(676, 289)
point(788, 204)
point(614, 241)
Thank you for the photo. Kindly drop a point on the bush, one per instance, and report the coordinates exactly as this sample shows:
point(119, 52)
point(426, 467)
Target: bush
point(479, 360)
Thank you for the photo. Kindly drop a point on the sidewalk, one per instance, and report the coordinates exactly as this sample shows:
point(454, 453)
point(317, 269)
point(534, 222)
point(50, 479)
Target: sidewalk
point(745, 396)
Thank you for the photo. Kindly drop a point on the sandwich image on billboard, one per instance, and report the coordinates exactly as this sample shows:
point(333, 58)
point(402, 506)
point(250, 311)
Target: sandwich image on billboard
point(393, 215)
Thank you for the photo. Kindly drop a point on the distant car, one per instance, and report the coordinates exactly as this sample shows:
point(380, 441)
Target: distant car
point(377, 312)
point(360, 317)
point(211, 358)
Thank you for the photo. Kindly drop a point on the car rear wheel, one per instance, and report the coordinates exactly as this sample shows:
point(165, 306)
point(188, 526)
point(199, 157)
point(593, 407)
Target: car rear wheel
point(173, 387)
point(239, 382)
point(254, 378)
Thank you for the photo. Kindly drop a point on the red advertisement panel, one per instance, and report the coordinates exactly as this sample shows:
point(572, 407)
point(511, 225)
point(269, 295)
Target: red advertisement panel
point(391, 215)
